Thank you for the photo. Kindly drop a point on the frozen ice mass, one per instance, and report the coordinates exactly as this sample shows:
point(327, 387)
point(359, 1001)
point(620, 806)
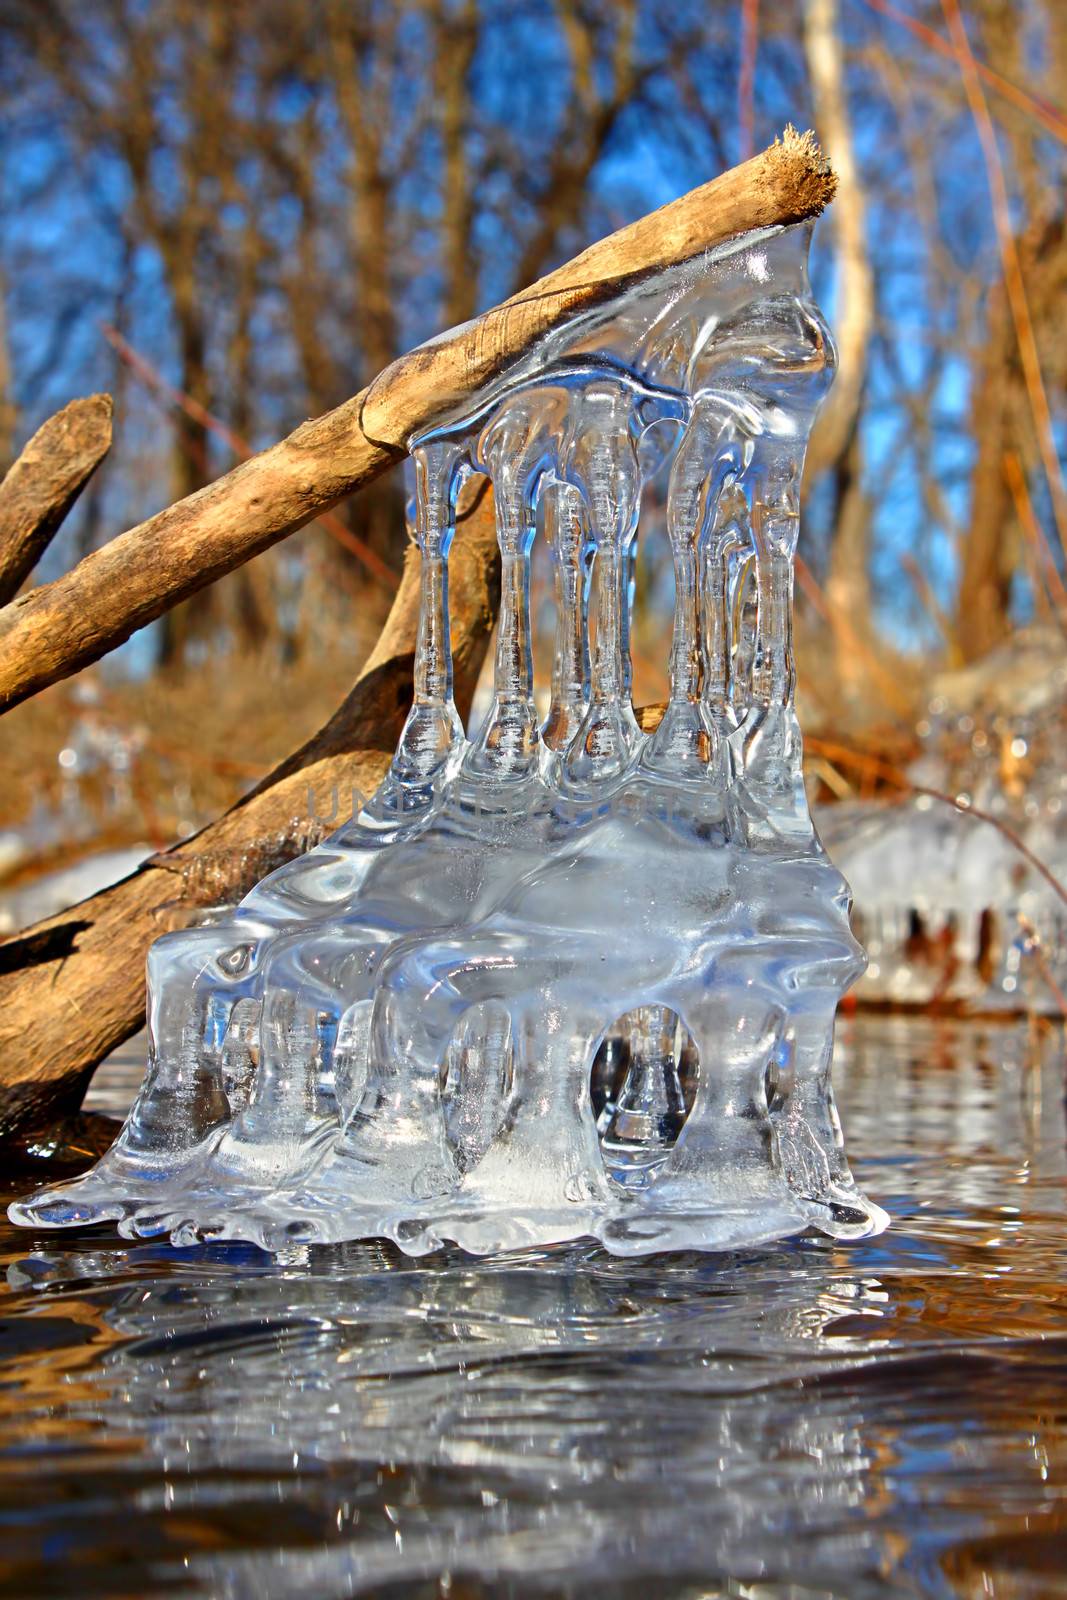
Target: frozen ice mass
point(560, 977)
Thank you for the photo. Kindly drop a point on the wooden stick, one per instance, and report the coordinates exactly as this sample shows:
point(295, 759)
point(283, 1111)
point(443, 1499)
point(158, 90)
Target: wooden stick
point(72, 987)
point(55, 630)
point(788, 182)
point(44, 483)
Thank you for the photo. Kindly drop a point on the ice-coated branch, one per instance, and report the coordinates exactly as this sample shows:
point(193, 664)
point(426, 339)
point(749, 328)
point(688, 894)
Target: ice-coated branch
point(60, 627)
point(396, 1035)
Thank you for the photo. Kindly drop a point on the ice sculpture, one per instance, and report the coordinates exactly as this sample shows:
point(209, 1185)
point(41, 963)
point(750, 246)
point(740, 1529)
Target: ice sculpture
point(560, 980)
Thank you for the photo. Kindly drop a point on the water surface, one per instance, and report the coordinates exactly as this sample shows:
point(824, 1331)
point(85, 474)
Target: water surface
point(880, 1419)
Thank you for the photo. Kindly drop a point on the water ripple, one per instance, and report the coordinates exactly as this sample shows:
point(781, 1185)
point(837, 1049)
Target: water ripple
point(879, 1420)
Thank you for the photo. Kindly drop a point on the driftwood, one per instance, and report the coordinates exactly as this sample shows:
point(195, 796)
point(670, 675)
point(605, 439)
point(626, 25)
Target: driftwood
point(788, 182)
point(72, 988)
point(62, 626)
point(44, 483)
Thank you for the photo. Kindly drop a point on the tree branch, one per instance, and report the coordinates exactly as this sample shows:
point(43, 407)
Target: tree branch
point(57, 629)
point(44, 483)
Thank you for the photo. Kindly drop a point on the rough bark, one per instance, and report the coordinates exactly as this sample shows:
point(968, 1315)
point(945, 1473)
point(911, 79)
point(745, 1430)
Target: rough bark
point(72, 987)
point(44, 483)
point(55, 630)
point(788, 182)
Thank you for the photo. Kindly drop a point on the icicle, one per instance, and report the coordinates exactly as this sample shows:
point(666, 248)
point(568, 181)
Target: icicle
point(433, 732)
point(741, 593)
point(566, 531)
point(775, 523)
point(478, 1079)
point(603, 464)
point(723, 542)
point(769, 739)
point(508, 742)
point(683, 744)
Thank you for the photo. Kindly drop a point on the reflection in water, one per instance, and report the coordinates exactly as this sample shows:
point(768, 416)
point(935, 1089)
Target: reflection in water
point(879, 1419)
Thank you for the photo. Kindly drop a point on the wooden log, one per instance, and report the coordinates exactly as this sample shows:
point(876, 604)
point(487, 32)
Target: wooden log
point(44, 483)
point(788, 182)
point(72, 987)
point(61, 627)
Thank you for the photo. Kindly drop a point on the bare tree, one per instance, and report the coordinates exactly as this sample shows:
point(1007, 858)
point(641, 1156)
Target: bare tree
point(837, 445)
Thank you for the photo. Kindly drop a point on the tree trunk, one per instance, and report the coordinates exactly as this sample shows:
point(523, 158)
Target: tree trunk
point(836, 445)
point(990, 551)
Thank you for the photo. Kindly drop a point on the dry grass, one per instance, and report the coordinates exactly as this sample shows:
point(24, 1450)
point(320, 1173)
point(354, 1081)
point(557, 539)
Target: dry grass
point(198, 740)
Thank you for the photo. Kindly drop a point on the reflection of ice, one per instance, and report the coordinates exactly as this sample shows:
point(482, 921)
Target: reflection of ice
point(1002, 1091)
point(801, 1419)
point(481, 1386)
point(396, 1034)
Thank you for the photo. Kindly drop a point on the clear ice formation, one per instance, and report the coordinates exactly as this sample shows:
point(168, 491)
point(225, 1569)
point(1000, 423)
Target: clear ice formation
point(950, 910)
point(560, 979)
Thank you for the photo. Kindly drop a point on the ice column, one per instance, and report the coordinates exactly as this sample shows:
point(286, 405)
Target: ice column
point(433, 732)
point(775, 523)
point(686, 741)
point(770, 739)
point(567, 533)
point(512, 451)
point(648, 1116)
point(726, 539)
point(603, 463)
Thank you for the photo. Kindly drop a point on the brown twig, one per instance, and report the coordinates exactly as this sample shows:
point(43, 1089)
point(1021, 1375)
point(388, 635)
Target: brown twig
point(1033, 105)
point(1035, 533)
point(933, 609)
point(44, 483)
point(1043, 607)
point(839, 622)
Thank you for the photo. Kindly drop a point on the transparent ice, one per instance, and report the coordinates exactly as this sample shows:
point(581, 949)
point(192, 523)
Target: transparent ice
point(949, 907)
point(564, 978)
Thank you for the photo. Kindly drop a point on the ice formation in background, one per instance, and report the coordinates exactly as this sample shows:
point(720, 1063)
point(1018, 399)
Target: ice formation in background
point(949, 908)
point(555, 979)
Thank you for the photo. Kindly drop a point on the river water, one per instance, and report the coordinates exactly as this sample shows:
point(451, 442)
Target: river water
point(805, 1421)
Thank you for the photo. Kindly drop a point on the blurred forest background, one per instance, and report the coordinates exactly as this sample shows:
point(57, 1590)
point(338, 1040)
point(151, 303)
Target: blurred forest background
point(230, 214)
